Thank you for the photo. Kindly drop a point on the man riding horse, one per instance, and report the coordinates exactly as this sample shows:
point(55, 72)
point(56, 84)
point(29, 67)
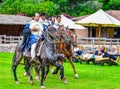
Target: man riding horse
point(32, 32)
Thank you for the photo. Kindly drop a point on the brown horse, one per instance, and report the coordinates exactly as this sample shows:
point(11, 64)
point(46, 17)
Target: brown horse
point(68, 38)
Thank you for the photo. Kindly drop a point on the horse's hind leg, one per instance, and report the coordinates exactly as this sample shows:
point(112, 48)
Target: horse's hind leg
point(14, 72)
point(27, 67)
point(16, 61)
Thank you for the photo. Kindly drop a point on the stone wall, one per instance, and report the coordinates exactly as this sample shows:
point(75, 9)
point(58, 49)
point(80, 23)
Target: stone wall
point(7, 47)
point(11, 48)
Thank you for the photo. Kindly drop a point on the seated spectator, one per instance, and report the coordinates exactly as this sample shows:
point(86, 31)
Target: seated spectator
point(113, 54)
point(77, 51)
point(102, 51)
point(95, 54)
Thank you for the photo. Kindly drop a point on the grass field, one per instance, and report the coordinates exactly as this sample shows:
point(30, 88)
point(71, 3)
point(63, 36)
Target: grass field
point(90, 76)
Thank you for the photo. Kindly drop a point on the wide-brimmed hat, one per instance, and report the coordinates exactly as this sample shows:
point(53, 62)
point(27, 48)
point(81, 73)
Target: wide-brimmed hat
point(35, 25)
point(115, 47)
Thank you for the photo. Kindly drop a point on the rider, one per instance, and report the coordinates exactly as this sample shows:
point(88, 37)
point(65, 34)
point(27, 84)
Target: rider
point(44, 21)
point(26, 33)
point(44, 24)
point(34, 32)
point(52, 21)
point(58, 22)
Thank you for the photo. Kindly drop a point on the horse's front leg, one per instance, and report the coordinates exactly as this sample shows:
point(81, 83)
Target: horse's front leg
point(71, 62)
point(57, 68)
point(42, 76)
point(47, 71)
point(60, 66)
point(37, 77)
point(27, 69)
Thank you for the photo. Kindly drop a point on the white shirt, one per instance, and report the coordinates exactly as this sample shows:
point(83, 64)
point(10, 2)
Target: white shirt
point(38, 28)
point(43, 22)
point(56, 25)
point(76, 49)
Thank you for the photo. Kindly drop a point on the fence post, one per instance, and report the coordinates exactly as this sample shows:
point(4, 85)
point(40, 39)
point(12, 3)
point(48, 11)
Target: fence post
point(93, 42)
point(111, 41)
point(10, 39)
point(105, 41)
point(4, 39)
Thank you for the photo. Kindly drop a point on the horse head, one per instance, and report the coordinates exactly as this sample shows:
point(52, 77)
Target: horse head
point(69, 36)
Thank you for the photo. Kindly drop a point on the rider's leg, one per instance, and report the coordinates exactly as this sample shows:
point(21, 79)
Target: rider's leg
point(33, 58)
point(33, 50)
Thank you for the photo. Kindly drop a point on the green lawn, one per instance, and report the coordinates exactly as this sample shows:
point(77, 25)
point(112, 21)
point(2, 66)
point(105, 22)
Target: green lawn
point(90, 76)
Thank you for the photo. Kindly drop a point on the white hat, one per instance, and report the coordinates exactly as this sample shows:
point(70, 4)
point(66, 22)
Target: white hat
point(35, 25)
point(115, 47)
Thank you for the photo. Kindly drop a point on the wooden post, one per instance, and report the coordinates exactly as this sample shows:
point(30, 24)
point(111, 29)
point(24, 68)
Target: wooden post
point(99, 26)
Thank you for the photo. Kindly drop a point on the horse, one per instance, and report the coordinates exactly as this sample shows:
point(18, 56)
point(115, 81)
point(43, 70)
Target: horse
point(17, 57)
point(47, 56)
point(68, 38)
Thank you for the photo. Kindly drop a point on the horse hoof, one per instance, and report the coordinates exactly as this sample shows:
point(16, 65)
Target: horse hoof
point(25, 74)
point(31, 82)
point(42, 86)
point(76, 76)
point(47, 76)
point(37, 78)
point(65, 81)
point(52, 70)
point(17, 82)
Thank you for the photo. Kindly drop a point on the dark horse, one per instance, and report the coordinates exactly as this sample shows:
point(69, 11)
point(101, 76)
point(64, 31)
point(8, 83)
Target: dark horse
point(65, 46)
point(46, 57)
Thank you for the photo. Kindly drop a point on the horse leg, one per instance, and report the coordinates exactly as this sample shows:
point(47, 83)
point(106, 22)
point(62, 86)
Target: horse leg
point(57, 69)
point(61, 71)
point(37, 73)
point(25, 74)
point(14, 72)
point(27, 67)
point(47, 71)
point(71, 62)
point(42, 76)
point(16, 60)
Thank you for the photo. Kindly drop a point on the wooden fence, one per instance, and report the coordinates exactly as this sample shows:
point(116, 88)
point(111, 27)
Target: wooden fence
point(82, 41)
point(94, 41)
point(10, 39)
